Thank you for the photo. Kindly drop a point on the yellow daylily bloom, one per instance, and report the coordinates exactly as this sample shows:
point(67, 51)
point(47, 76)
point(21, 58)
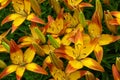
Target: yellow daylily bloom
point(21, 61)
point(4, 3)
point(22, 11)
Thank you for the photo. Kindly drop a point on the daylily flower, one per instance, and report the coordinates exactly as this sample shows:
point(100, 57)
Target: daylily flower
point(21, 62)
point(116, 69)
point(79, 54)
point(4, 3)
point(76, 4)
point(22, 11)
point(95, 31)
point(59, 74)
point(36, 39)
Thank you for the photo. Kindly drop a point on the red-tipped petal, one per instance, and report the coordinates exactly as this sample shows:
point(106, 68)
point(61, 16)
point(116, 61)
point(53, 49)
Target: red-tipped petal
point(4, 4)
point(115, 21)
point(17, 22)
point(32, 17)
point(115, 72)
point(116, 13)
point(92, 64)
point(73, 66)
point(84, 4)
point(9, 18)
point(16, 53)
point(98, 53)
point(35, 68)
point(19, 72)
point(8, 70)
point(29, 54)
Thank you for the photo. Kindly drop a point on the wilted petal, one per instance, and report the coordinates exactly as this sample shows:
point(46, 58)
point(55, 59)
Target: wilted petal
point(92, 64)
point(106, 2)
point(98, 53)
point(19, 72)
point(73, 66)
point(2, 64)
point(8, 70)
point(10, 18)
point(35, 68)
point(29, 54)
point(116, 13)
point(115, 72)
point(77, 74)
point(34, 18)
point(107, 39)
point(17, 22)
point(16, 53)
point(109, 17)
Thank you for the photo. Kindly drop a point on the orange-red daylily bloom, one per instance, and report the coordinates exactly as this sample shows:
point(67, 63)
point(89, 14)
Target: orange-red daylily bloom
point(21, 62)
point(22, 11)
point(4, 3)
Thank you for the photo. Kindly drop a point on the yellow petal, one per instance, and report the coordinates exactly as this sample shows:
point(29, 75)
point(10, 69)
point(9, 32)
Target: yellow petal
point(29, 54)
point(98, 53)
point(73, 66)
point(3, 49)
point(86, 49)
point(19, 72)
point(10, 18)
point(109, 17)
point(34, 18)
point(4, 3)
point(16, 53)
point(47, 48)
point(107, 39)
point(77, 75)
point(115, 73)
point(73, 2)
point(17, 22)
point(8, 70)
point(27, 6)
point(2, 64)
point(65, 40)
point(35, 68)
point(92, 64)
point(94, 30)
